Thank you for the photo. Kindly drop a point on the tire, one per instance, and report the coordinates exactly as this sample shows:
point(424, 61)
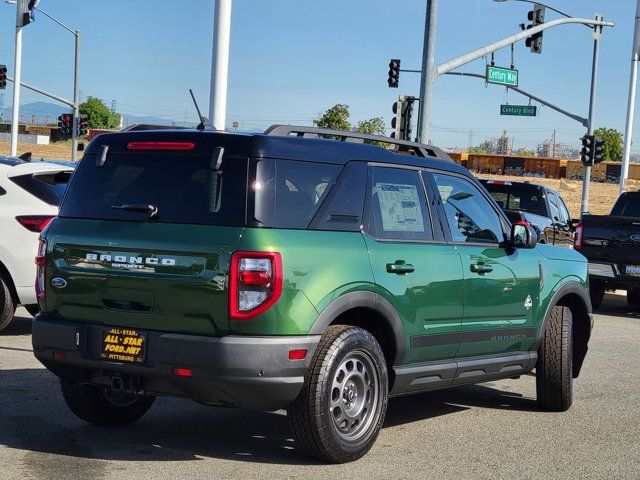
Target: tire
point(554, 379)
point(94, 405)
point(337, 416)
point(596, 292)
point(7, 306)
point(32, 309)
point(633, 297)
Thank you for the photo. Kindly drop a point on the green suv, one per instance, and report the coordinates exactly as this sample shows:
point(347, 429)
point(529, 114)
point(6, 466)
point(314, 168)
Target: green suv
point(274, 270)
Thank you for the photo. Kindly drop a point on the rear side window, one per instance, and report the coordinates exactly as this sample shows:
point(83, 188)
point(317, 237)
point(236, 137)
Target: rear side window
point(397, 205)
point(527, 198)
point(184, 189)
point(47, 187)
point(287, 193)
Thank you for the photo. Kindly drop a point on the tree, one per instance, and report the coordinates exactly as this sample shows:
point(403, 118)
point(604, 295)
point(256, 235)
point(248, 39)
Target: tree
point(477, 150)
point(99, 115)
point(373, 126)
point(612, 143)
point(525, 152)
point(336, 118)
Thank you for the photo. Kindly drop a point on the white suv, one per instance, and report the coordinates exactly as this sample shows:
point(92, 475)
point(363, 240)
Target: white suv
point(30, 193)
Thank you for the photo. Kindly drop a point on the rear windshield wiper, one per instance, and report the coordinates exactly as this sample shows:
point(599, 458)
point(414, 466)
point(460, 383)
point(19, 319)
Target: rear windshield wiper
point(152, 210)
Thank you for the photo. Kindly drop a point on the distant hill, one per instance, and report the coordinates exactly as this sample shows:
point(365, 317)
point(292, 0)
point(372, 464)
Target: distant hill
point(45, 112)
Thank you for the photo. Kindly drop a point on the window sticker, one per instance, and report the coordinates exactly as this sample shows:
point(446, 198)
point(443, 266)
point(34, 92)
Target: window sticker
point(400, 207)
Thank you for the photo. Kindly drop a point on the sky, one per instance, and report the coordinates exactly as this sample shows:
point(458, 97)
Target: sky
point(292, 59)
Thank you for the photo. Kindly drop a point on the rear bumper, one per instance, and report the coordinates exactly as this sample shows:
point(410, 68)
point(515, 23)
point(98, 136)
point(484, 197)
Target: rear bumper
point(611, 275)
point(241, 371)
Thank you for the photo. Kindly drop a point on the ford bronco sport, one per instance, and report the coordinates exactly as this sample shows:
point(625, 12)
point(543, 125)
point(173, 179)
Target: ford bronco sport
point(270, 271)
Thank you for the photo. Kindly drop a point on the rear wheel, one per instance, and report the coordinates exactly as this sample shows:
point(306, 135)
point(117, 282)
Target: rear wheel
point(633, 297)
point(596, 291)
point(342, 405)
point(103, 407)
point(7, 306)
point(554, 370)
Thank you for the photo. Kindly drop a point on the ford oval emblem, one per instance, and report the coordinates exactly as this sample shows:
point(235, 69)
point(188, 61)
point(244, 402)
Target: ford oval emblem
point(58, 282)
point(635, 238)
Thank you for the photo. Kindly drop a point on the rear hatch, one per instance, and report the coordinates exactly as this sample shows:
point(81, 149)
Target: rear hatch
point(145, 232)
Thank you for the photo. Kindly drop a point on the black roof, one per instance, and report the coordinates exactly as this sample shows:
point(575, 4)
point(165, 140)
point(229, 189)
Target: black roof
point(260, 145)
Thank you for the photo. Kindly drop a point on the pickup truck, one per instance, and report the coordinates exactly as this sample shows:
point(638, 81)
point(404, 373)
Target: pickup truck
point(611, 244)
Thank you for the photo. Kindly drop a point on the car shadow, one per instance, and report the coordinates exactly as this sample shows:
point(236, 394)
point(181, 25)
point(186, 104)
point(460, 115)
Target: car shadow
point(618, 308)
point(34, 418)
point(20, 325)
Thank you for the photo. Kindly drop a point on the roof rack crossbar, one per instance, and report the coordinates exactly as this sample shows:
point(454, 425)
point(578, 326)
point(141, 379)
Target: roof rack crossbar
point(418, 149)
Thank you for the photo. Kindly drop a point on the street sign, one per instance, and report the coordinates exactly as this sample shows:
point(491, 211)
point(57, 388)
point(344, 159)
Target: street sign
point(519, 110)
point(502, 76)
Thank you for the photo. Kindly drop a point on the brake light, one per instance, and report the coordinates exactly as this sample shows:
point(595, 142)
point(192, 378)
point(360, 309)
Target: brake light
point(154, 146)
point(34, 223)
point(523, 222)
point(255, 283)
point(41, 260)
point(498, 182)
point(578, 236)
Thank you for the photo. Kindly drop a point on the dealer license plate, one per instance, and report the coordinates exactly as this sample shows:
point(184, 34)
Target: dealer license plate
point(123, 345)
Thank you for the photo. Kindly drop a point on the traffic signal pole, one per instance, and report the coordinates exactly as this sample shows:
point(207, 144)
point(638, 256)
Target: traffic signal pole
point(15, 113)
point(633, 79)
point(76, 101)
point(586, 180)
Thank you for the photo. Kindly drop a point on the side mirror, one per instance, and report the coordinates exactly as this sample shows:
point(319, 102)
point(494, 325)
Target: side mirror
point(523, 236)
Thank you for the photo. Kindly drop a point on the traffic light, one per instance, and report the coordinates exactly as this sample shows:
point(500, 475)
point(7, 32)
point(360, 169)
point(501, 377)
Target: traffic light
point(536, 17)
point(65, 122)
point(83, 125)
point(394, 73)
point(403, 114)
point(586, 154)
point(598, 150)
point(26, 15)
point(3, 77)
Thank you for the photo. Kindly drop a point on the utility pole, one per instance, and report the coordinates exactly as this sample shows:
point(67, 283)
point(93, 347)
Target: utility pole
point(76, 100)
point(220, 64)
point(15, 114)
point(427, 74)
point(597, 32)
point(631, 103)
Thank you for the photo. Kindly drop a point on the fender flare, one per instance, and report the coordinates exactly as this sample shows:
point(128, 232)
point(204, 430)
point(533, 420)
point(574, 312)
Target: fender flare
point(369, 300)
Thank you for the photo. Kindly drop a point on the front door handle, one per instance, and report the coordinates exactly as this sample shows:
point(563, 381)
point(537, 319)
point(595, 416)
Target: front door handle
point(481, 268)
point(400, 267)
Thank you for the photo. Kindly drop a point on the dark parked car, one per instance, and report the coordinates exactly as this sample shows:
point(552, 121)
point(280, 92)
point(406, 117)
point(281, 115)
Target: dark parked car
point(610, 243)
point(541, 207)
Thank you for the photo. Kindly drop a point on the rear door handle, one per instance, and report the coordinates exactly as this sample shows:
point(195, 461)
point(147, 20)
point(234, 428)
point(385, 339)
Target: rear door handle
point(400, 267)
point(481, 268)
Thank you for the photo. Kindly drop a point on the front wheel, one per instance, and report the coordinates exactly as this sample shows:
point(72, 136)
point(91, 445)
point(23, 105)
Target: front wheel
point(554, 370)
point(7, 307)
point(341, 408)
point(103, 407)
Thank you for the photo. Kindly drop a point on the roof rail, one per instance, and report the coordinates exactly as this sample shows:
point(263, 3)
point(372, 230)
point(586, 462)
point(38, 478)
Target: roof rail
point(149, 126)
point(418, 149)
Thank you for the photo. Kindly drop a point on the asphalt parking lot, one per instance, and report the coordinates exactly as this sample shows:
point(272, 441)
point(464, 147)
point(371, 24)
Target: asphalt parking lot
point(487, 431)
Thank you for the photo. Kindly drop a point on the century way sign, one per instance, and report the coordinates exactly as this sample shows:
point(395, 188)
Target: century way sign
point(502, 76)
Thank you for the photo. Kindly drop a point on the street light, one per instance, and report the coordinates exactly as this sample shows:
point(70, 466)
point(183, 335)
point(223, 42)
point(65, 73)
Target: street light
point(76, 87)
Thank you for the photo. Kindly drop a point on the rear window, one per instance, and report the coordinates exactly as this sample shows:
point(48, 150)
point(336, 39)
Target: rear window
point(287, 193)
point(627, 206)
point(48, 187)
point(527, 198)
point(183, 188)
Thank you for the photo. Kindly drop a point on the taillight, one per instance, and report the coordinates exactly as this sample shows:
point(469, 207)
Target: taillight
point(577, 237)
point(41, 260)
point(255, 283)
point(34, 223)
point(158, 146)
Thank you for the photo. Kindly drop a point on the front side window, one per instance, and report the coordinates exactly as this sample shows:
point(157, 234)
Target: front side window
point(397, 205)
point(470, 216)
